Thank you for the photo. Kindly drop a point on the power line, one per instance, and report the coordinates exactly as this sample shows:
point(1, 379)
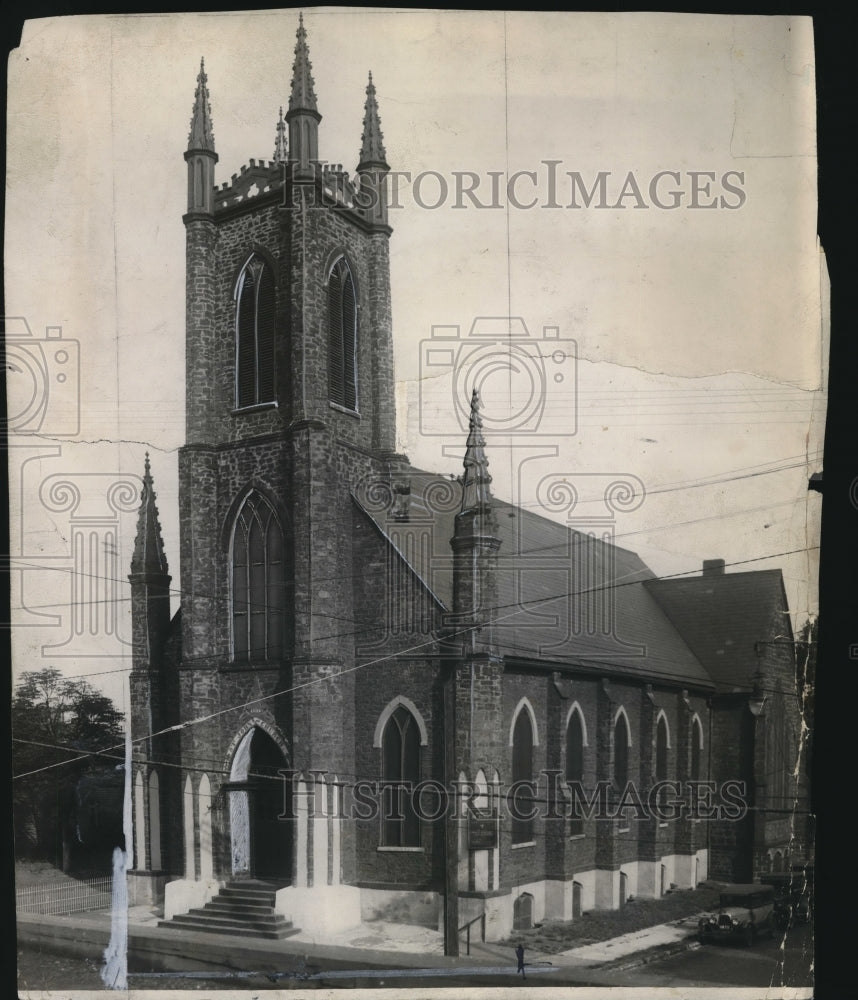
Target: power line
point(430, 627)
point(493, 791)
point(383, 659)
point(180, 592)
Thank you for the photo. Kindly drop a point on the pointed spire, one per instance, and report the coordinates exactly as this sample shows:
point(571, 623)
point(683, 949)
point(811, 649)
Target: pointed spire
point(201, 135)
point(303, 96)
point(148, 555)
point(371, 143)
point(476, 480)
point(280, 152)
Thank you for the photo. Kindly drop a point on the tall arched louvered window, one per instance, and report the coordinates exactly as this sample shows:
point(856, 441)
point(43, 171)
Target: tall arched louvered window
point(400, 774)
point(342, 336)
point(621, 751)
point(575, 763)
point(258, 582)
point(254, 334)
point(522, 770)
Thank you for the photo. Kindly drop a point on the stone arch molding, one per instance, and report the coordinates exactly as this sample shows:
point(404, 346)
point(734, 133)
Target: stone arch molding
point(662, 715)
point(622, 712)
point(524, 705)
point(255, 723)
point(389, 709)
point(575, 707)
point(255, 250)
point(696, 719)
point(227, 528)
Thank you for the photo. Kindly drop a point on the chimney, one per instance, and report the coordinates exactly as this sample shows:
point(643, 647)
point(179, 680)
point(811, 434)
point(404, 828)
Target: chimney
point(713, 567)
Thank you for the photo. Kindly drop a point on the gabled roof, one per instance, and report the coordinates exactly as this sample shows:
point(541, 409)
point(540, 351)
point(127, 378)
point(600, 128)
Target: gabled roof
point(564, 598)
point(724, 616)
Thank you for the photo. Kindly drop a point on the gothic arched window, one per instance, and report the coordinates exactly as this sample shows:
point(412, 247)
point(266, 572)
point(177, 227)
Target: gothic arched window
point(575, 763)
point(342, 336)
point(254, 334)
point(661, 742)
point(400, 774)
point(258, 581)
point(522, 770)
point(696, 741)
point(621, 751)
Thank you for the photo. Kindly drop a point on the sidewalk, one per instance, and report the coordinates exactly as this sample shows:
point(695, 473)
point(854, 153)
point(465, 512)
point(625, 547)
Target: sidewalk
point(362, 951)
point(675, 933)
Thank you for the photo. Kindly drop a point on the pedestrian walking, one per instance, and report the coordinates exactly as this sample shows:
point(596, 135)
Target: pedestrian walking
point(519, 954)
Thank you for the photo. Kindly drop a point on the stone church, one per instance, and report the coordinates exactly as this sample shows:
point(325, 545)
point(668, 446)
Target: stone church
point(377, 697)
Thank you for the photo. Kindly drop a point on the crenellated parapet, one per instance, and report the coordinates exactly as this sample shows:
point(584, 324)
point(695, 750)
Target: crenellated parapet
point(255, 178)
point(259, 177)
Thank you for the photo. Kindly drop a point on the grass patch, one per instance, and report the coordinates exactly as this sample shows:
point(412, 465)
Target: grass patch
point(34, 873)
point(599, 925)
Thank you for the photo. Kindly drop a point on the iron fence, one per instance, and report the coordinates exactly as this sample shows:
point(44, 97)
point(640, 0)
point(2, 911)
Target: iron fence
point(65, 897)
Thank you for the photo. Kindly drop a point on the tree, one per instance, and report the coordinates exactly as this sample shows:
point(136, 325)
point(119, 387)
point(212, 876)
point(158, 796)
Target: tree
point(57, 725)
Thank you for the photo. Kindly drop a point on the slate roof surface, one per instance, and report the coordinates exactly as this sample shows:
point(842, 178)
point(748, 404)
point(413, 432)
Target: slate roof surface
point(563, 597)
point(723, 616)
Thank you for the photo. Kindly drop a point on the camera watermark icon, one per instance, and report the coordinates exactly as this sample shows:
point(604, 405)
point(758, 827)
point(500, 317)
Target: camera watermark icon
point(66, 565)
point(42, 380)
point(595, 608)
point(527, 384)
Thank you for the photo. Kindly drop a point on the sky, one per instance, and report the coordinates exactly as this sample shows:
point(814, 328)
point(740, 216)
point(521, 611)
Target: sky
point(642, 205)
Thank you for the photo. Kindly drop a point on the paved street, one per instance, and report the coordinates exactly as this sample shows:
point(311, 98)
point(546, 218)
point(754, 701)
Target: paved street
point(776, 962)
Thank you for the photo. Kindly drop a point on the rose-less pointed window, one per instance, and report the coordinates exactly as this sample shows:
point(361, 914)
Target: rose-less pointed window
point(254, 334)
point(400, 751)
point(342, 336)
point(258, 581)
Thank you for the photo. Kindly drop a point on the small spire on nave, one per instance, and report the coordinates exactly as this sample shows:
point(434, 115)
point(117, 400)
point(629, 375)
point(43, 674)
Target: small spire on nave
point(148, 555)
point(281, 154)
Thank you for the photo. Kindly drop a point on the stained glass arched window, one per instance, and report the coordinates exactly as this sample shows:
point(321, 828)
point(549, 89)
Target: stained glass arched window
point(258, 582)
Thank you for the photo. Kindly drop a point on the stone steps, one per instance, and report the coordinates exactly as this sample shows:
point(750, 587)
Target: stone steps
point(241, 909)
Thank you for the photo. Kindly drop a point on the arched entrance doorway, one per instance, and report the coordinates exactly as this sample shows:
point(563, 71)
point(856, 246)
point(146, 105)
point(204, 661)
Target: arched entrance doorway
point(261, 842)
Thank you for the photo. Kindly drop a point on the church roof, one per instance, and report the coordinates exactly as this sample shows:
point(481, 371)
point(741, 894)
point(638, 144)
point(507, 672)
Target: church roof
point(723, 617)
point(563, 597)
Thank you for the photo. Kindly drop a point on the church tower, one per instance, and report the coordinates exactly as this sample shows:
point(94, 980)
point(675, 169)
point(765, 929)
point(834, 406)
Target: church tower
point(290, 401)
